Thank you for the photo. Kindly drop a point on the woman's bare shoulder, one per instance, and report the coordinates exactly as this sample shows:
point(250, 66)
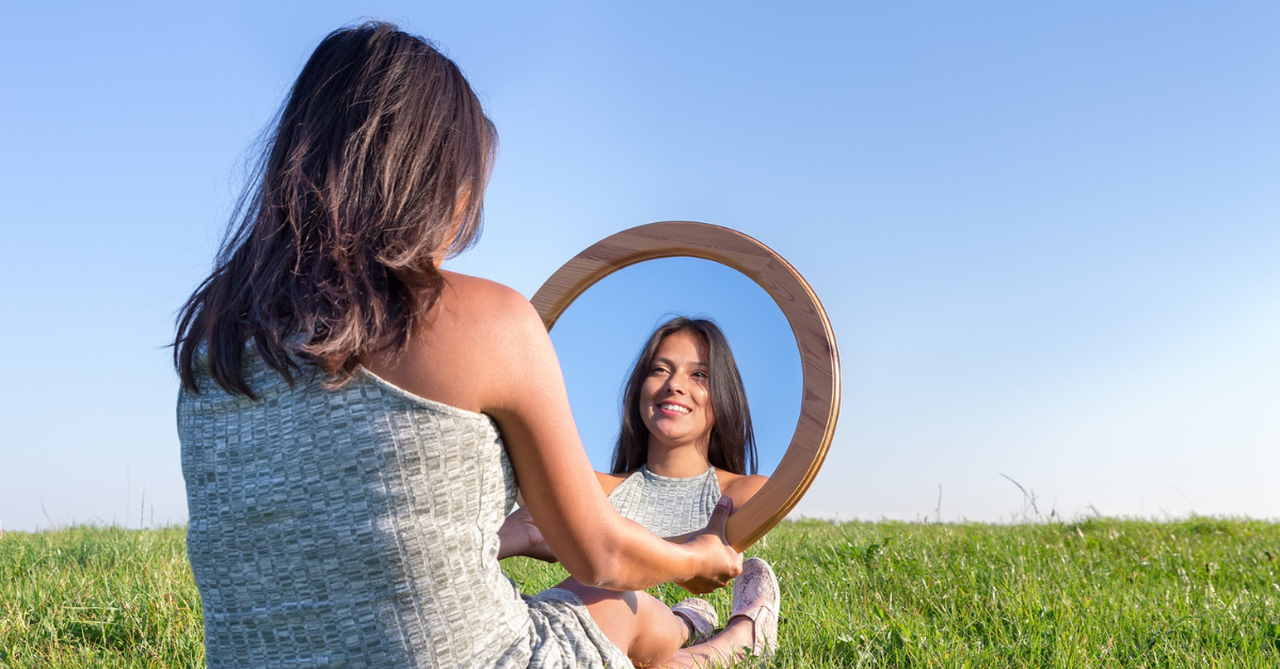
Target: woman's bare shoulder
point(464, 293)
point(476, 340)
point(739, 487)
point(484, 312)
point(611, 481)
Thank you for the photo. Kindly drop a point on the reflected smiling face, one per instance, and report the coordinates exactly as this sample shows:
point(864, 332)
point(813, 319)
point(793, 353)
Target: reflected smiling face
point(675, 398)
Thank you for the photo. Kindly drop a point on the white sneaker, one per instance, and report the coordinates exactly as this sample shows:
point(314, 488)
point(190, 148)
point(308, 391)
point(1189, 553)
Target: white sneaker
point(756, 598)
point(701, 616)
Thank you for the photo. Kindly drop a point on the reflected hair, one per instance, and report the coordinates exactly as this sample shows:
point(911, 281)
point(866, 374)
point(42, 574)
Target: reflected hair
point(732, 444)
point(376, 165)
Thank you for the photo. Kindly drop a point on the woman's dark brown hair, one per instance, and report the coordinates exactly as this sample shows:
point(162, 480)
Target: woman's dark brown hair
point(733, 443)
point(376, 166)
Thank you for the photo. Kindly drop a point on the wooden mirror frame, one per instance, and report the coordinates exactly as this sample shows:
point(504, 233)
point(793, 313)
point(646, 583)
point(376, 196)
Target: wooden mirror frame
point(819, 358)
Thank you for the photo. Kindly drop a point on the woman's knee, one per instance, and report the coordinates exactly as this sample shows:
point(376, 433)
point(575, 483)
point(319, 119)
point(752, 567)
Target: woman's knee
point(636, 622)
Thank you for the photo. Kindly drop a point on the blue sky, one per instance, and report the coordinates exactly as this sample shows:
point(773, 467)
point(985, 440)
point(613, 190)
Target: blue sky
point(1047, 235)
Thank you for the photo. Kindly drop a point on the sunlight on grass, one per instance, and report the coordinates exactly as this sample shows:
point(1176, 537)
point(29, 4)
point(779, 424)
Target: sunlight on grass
point(1098, 593)
point(95, 597)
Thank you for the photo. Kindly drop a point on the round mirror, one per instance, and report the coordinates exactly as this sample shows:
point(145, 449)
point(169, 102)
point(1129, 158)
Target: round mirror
point(813, 339)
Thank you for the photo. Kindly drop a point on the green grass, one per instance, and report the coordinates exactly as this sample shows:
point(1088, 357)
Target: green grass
point(98, 597)
point(1098, 593)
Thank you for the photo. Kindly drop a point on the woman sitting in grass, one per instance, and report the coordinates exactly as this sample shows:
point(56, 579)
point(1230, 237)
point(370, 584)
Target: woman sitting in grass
point(353, 418)
point(685, 440)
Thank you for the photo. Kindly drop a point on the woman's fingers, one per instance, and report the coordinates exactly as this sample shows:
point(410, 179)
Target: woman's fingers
point(722, 563)
point(720, 516)
point(519, 535)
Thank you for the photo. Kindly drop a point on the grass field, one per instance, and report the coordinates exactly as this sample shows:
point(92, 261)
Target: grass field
point(1098, 593)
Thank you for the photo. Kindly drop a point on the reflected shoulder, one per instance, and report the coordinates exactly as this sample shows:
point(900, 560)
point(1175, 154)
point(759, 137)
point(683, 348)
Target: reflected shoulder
point(740, 488)
point(610, 481)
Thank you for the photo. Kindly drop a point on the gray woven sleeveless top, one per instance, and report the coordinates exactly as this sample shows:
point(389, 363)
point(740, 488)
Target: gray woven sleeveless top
point(667, 506)
point(354, 527)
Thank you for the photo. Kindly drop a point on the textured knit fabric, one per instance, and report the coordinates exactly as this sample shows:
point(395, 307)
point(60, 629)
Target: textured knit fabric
point(667, 506)
point(357, 528)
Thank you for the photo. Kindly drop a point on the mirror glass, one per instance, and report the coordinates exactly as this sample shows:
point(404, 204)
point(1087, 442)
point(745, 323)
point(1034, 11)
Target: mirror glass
point(600, 335)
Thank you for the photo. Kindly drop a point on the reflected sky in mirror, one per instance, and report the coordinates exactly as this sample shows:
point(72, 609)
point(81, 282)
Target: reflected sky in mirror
point(599, 336)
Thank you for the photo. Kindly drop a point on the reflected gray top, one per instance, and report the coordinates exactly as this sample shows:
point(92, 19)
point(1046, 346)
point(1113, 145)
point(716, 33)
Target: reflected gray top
point(667, 506)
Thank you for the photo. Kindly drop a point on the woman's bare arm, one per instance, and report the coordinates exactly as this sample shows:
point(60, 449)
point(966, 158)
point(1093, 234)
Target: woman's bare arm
point(484, 348)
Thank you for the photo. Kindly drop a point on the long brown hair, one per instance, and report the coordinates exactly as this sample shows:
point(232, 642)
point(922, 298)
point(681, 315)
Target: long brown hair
point(732, 444)
point(378, 161)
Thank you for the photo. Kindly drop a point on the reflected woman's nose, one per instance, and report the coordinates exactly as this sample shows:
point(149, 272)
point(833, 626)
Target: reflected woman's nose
point(674, 384)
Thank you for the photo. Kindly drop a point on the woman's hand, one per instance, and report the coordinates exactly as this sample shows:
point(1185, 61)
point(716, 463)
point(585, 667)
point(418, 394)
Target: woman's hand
point(721, 563)
point(520, 536)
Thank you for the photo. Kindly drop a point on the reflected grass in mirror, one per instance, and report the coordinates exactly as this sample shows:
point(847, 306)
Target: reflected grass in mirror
point(599, 336)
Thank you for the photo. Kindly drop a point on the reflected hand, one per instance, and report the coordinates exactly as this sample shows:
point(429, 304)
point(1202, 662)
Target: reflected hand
point(520, 536)
point(721, 563)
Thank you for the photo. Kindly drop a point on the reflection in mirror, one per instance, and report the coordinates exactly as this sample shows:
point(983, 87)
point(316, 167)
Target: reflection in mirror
point(599, 337)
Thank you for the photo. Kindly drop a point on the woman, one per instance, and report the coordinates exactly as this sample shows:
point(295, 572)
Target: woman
point(686, 436)
point(353, 418)
point(686, 432)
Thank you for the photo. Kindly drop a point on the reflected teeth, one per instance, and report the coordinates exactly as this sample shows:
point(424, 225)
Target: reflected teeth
point(673, 407)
